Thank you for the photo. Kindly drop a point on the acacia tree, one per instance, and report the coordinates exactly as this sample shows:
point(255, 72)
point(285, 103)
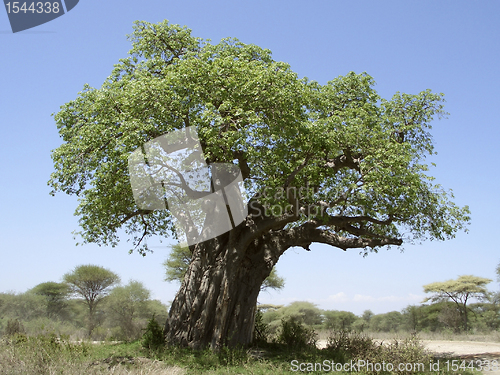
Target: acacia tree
point(125, 304)
point(93, 283)
point(460, 291)
point(333, 164)
point(180, 256)
point(56, 297)
point(496, 296)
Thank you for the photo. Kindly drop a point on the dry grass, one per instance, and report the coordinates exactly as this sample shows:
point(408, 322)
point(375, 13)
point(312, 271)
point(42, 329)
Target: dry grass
point(385, 336)
point(39, 357)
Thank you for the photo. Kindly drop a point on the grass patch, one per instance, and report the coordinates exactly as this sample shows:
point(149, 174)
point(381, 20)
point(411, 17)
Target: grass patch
point(49, 354)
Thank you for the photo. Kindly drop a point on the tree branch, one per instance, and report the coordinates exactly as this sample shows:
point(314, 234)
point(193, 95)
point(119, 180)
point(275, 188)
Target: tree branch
point(308, 233)
point(242, 163)
point(346, 160)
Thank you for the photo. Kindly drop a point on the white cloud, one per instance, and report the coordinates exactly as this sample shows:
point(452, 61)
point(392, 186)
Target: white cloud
point(339, 297)
point(362, 298)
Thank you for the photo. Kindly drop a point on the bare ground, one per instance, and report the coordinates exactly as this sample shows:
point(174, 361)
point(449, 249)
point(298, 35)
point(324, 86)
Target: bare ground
point(460, 348)
point(476, 351)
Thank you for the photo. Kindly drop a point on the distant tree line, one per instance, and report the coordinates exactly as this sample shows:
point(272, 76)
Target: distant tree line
point(90, 302)
point(460, 305)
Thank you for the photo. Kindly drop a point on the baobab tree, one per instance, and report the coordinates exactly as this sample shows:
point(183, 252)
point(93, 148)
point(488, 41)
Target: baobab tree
point(332, 164)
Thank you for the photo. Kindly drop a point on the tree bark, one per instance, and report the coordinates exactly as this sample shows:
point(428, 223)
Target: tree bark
point(216, 303)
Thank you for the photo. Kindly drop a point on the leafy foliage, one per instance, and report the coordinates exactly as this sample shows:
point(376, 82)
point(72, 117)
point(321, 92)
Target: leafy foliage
point(261, 333)
point(362, 155)
point(153, 337)
point(347, 345)
point(93, 284)
point(339, 320)
point(56, 295)
point(388, 322)
point(126, 305)
point(460, 291)
point(23, 306)
point(295, 334)
point(300, 311)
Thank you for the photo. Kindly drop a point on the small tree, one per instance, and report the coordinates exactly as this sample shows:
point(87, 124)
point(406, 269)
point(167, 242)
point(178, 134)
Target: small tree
point(301, 311)
point(55, 294)
point(367, 315)
point(92, 283)
point(411, 317)
point(460, 291)
point(339, 320)
point(153, 337)
point(127, 303)
point(388, 322)
point(496, 296)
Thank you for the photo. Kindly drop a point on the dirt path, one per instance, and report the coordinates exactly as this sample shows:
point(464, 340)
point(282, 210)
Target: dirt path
point(459, 348)
point(479, 352)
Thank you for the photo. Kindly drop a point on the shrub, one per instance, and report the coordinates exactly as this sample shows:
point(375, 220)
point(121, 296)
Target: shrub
point(153, 337)
point(407, 351)
point(295, 335)
point(346, 346)
point(349, 345)
point(14, 327)
point(261, 330)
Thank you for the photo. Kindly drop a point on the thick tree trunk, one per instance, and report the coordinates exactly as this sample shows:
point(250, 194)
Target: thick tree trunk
point(216, 303)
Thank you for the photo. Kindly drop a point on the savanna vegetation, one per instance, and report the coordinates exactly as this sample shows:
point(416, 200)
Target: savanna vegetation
point(42, 331)
point(88, 304)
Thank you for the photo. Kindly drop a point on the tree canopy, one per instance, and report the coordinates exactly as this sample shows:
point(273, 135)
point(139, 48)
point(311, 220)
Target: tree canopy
point(93, 283)
point(55, 295)
point(460, 291)
point(125, 303)
point(361, 155)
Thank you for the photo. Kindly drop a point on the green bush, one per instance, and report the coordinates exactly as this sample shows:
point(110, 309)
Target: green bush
point(153, 337)
point(348, 345)
point(339, 320)
point(296, 335)
point(407, 351)
point(261, 330)
point(14, 327)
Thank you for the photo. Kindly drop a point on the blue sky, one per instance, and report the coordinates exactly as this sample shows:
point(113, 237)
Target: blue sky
point(447, 46)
